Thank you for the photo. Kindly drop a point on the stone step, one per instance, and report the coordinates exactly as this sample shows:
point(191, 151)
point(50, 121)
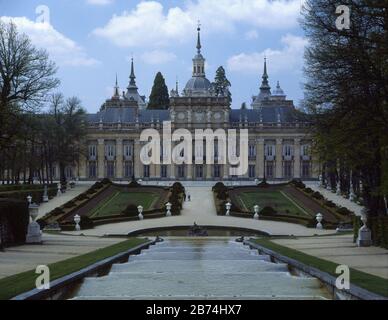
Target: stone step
point(268, 284)
point(197, 256)
point(175, 298)
point(217, 266)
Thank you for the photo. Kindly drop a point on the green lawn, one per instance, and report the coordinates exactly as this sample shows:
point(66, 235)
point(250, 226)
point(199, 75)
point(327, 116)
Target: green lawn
point(364, 280)
point(120, 200)
point(274, 199)
point(23, 282)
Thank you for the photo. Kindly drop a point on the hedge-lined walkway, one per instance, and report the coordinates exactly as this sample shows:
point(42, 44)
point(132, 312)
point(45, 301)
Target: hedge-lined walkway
point(356, 208)
point(65, 197)
point(342, 250)
point(55, 248)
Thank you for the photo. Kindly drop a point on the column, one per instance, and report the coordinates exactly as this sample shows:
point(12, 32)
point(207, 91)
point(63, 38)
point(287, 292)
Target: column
point(297, 158)
point(209, 175)
point(158, 173)
point(260, 158)
point(137, 164)
point(315, 166)
point(119, 158)
point(82, 167)
point(172, 171)
point(279, 158)
point(226, 168)
point(101, 159)
point(189, 172)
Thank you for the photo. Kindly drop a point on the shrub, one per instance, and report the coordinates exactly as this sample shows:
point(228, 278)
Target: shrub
point(317, 195)
point(69, 205)
point(222, 195)
point(330, 204)
point(106, 181)
point(14, 216)
point(298, 184)
point(57, 212)
point(344, 211)
point(268, 211)
point(86, 223)
point(134, 184)
point(82, 197)
point(219, 186)
point(131, 210)
point(177, 187)
point(309, 190)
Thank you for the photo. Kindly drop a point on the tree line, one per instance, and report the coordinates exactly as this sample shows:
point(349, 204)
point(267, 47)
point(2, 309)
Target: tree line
point(38, 127)
point(346, 95)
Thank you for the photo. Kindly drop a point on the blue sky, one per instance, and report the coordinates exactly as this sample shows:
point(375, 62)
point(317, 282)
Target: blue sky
point(91, 40)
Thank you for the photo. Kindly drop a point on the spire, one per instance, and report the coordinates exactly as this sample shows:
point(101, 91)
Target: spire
point(265, 89)
point(116, 93)
point(132, 87)
point(132, 77)
point(199, 60)
point(199, 38)
point(265, 83)
point(176, 85)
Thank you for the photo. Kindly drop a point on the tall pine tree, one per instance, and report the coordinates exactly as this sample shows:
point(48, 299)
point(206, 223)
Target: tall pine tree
point(221, 82)
point(159, 98)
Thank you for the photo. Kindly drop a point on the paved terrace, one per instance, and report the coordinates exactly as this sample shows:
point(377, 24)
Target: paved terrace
point(55, 248)
point(342, 250)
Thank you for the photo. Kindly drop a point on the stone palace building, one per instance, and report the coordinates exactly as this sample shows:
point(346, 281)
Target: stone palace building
point(279, 144)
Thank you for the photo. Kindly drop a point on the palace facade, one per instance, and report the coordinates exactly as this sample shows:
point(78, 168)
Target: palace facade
point(279, 143)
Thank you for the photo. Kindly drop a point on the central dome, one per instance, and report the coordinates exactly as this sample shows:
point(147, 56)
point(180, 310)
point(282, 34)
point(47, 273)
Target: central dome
point(198, 84)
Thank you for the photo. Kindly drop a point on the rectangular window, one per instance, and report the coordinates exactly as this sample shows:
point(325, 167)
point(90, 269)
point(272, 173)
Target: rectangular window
point(270, 170)
point(110, 151)
point(305, 150)
point(128, 151)
point(287, 151)
point(92, 151)
point(110, 169)
point(287, 169)
point(252, 151)
point(306, 169)
point(163, 171)
point(128, 172)
point(252, 171)
point(181, 172)
point(270, 150)
point(146, 171)
point(199, 172)
point(92, 170)
point(217, 171)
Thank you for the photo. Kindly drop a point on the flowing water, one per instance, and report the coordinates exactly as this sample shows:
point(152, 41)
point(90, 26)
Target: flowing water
point(200, 269)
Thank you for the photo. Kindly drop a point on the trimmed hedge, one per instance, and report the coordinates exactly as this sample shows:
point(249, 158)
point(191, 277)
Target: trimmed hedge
point(15, 217)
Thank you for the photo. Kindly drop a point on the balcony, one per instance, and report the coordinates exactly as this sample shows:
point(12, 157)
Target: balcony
point(92, 158)
point(288, 158)
point(270, 158)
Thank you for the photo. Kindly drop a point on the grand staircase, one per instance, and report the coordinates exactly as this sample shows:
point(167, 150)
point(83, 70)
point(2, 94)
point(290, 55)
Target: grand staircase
point(200, 269)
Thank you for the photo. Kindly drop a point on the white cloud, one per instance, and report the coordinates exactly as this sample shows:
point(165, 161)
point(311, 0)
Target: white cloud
point(289, 58)
point(64, 51)
point(99, 2)
point(149, 24)
point(252, 35)
point(156, 57)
